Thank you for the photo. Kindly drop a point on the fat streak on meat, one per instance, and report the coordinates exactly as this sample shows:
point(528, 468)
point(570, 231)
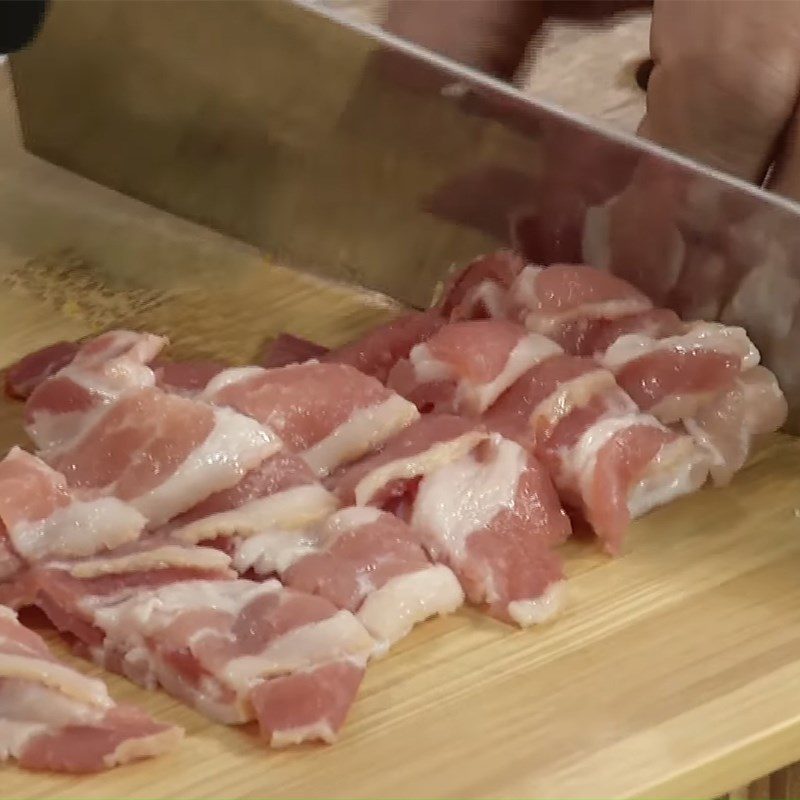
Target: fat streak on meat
point(608, 460)
point(376, 352)
point(26, 374)
point(483, 506)
point(175, 616)
point(683, 374)
point(492, 515)
point(329, 414)
point(40, 518)
point(281, 493)
point(54, 718)
point(465, 366)
point(433, 440)
point(105, 368)
point(110, 431)
point(362, 560)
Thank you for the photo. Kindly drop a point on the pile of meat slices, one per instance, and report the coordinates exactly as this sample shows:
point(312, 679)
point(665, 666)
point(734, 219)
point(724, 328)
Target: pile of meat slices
point(249, 539)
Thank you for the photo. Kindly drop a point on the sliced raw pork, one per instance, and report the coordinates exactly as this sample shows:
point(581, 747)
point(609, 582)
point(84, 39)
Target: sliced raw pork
point(608, 460)
point(681, 373)
point(286, 348)
point(54, 718)
point(726, 425)
point(656, 324)
point(329, 414)
point(103, 424)
point(40, 518)
point(236, 650)
point(466, 366)
point(566, 301)
point(26, 374)
point(673, 377)
point(121, 355)
point(483, 506)
point(187, 378)
point(385, 477)
point(60, 587)
point(493, 515)
point(163, 453)
point(362, 560)
point(282, 493)
point(377, 351)
point(678, 372)
point(239, 650)
point(684, 374)
point(62, 406)
point(480, 289)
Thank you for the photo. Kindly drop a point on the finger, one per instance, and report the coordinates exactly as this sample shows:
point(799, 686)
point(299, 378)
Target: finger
point(489, 35)
point(784, 178)
point(724, 81)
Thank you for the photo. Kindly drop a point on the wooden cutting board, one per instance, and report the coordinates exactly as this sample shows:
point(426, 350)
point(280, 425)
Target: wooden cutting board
point(675, 670)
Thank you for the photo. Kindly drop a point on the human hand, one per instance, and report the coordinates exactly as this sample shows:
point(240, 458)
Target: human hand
point(489, 35)
point(724, 86)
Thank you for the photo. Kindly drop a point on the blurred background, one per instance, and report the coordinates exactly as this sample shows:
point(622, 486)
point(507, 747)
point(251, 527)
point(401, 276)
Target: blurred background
point(587, 66)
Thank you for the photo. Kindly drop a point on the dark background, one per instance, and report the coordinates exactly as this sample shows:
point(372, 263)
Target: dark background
point(19, 22)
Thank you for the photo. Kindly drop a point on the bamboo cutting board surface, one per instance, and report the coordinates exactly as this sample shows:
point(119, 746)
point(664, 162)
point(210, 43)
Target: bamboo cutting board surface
point(673, 672)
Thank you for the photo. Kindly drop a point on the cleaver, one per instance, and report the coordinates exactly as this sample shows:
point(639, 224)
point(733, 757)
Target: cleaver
point(338, 149)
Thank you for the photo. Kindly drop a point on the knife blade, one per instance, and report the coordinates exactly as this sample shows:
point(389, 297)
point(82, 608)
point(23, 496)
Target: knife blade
point(339, 149)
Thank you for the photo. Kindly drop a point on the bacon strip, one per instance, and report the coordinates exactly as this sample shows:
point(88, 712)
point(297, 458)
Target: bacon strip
point(466, 366)
point(377, 351)
point(26, 374)
point(431, 441)
point(110, 431)
point(608, 460)
point(237, 650)
point(281, 493)
point(374, 353)
point(40, 518)
point(565, 301)
point(683, 374)
point(478, 290)
point(330, 414)
point(54, 718)
point(482, 506)
point(63, 406)
point(493, 515)
point(163, 453)
point(361, 560)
